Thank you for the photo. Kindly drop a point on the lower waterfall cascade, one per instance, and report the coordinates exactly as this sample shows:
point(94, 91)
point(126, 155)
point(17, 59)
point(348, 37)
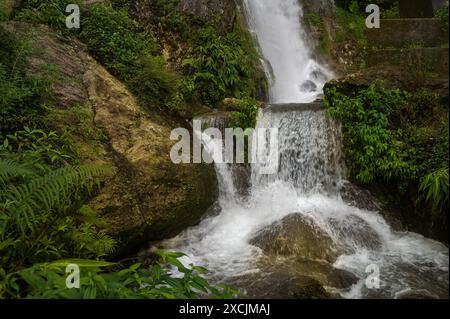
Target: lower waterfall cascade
point(309, 184)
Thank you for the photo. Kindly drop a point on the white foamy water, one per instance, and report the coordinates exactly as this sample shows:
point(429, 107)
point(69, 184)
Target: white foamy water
point(308, 182)
point(294, 75)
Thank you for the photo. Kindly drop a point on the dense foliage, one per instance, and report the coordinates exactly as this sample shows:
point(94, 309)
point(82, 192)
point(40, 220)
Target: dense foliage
point(45, 218)
point(114, 38)
point(246, 114)
point(22, 96)
point(216, 62)
point(387, 140)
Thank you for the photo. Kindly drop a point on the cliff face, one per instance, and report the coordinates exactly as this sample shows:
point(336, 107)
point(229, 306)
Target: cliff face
point(149, 197)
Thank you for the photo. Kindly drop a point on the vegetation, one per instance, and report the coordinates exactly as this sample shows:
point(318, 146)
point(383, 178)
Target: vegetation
point(215, 64)
point(113, 37)
point(50, 12)
point(45, 187)
point(352, 25)
point(22, 96)
point(387, 140)
point(106, 280)
point(246, 114)
point(442, 14)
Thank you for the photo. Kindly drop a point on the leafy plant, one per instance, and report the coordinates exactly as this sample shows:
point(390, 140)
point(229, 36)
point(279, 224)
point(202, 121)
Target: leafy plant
point(372, 152)
point(50, 12)
point(442, 14)
point(434, 189)
point(106, 280)
point(220, 66)
point(115, 39)
point(36, 214)
point(245, 116)
point(38, 148)
point(352, 25)
point(397, 141)
point(22, 96)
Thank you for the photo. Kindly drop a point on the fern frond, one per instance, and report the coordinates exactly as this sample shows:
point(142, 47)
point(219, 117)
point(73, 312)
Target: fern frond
point(10, 170)
point(48, 192)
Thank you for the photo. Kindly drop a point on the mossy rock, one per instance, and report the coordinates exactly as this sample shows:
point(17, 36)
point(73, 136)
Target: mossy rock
point(149, 197)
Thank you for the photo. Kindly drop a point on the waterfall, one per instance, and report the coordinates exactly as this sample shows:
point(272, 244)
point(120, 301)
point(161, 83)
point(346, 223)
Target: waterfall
point(294, 75)
point(308, 183)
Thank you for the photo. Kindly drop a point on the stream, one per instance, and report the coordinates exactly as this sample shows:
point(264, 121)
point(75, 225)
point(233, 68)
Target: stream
point(273, 235)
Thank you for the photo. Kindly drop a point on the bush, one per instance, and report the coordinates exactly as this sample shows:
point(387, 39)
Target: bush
point(246, 115)
point(221, 65)
point(434, 190)
point(372, 152)
point(50, 12)
point(442, 14)
point(106, 280)
point(114, 38)
point(22, 96)
point(397, 139)
point(352, 25)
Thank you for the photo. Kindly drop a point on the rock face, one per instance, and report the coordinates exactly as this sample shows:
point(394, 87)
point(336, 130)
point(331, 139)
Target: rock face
point(149, 198)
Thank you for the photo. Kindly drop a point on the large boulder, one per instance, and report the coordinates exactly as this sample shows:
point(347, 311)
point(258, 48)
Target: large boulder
point(149, 197)
point(295, 235)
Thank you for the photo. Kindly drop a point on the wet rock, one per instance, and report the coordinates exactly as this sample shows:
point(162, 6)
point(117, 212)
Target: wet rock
point(359, 197)
point(356, 232)
point(295, 235)
point(280, 284)
point(308, 86)
point(242, 178)
point(393, 78)
point(319, 76)
point(415, 294)
point(363, 199)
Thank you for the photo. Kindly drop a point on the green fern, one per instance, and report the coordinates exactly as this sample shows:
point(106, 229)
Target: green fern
point(45, 193)
point(10, 170)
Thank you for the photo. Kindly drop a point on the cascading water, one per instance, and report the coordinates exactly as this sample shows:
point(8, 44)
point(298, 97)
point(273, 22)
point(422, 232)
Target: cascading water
point(308, 183)
point(295, 76)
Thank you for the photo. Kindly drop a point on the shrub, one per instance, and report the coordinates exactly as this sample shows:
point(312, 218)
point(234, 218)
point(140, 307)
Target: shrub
point(351, 25)
point(434, 190)
point(22, 96)
point(442, 14)
point(106, 280)
point(50, 12)
point(245, 116)
point(220, 65)
point(397, 140)
point(114, 38)
point(371, 149)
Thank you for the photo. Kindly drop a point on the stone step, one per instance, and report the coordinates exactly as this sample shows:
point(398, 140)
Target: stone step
point(406, 33)
point(422, 59)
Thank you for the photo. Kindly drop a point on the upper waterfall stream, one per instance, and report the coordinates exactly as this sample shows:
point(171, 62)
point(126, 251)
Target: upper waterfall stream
point(251, 239)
